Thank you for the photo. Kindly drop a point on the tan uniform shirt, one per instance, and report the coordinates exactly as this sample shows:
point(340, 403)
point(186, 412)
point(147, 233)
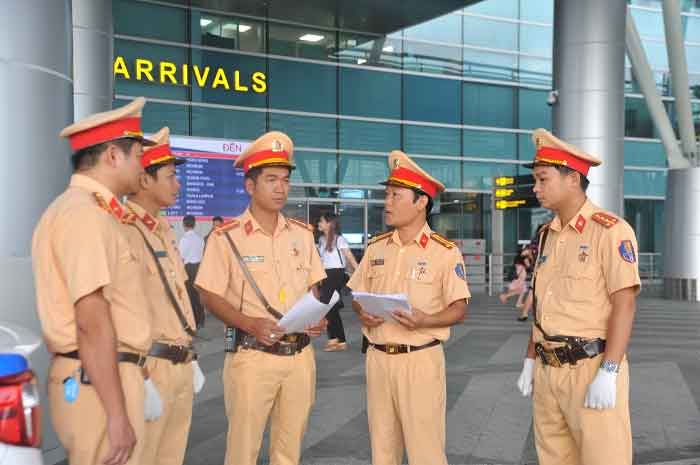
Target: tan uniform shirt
point(284, 265)
point(583, 263)
point(80, 246)
point(431, 274)
point(166, 326)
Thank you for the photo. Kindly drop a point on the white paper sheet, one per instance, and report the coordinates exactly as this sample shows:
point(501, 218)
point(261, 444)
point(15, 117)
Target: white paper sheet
point(382, 304)
point(306, 312)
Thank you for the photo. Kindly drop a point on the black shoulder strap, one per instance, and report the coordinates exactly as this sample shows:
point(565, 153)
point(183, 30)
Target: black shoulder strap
point(342, 263)
point(540, 249)
point(168, 291)
point(250, 279)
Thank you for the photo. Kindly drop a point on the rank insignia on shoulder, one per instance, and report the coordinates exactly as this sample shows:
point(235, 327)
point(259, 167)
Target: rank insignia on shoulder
point(227, 226)
point(608, 221)
point(306, 226)
point(379, 237)
point(101, 201)
point(443, 241)
point(627, 253)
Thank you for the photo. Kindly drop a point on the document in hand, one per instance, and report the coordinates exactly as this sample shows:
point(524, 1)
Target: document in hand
point(306, 312)
point(382, 304)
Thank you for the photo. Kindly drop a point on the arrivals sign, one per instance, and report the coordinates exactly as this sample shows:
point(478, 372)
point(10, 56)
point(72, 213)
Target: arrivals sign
point(166, 72)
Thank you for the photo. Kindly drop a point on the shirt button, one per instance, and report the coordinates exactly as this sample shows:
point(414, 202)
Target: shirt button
point(549, 292)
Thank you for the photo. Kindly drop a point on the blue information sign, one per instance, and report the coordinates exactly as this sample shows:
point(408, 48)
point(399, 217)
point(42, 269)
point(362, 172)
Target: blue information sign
point(210, 186)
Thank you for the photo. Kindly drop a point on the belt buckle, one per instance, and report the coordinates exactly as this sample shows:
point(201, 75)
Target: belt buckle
point(552, 358)
point(392, 348)
point(142, 360)
point(292, 337)
point(286, 349)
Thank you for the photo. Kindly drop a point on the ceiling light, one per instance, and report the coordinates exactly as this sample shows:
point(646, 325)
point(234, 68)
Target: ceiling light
point(361, 61)
point(388, 49)
point(311, 38)
point(244, 28)
point(204, 22)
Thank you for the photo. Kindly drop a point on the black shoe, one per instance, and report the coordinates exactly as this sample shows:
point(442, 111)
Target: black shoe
point(522, 318)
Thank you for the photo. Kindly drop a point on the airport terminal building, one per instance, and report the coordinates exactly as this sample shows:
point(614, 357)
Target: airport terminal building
point(460, 92)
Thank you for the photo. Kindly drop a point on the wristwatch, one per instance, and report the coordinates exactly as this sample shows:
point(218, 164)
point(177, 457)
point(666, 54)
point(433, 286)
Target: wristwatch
point(610, 366)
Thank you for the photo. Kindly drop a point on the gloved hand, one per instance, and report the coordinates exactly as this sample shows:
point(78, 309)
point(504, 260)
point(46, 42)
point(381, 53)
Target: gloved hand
point(153, 407)
point(198, 378)
point(602, 392)
point(525, 378)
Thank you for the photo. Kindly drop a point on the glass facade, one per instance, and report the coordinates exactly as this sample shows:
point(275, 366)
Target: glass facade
point(461, 92)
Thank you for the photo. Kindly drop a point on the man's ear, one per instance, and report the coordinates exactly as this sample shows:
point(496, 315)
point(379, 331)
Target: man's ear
point(145, 180)
point(249, 186)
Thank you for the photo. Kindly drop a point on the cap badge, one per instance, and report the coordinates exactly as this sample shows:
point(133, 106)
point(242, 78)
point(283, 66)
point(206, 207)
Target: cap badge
point(276, 146)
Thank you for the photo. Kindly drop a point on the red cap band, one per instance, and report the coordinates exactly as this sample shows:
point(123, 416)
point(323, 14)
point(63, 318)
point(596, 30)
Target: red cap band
point(126, 127)
point(558, 157)
point(415, 180)
point(266, 157)
point(156, 155)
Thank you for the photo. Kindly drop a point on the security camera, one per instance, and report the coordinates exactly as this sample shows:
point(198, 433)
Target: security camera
point(552, 97)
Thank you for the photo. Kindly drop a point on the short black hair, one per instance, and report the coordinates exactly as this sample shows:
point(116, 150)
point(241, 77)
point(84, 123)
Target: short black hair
point(428, 207)
point(254, 173)
point(188, 221)
point(217, 218)
point(87, 158)
point(564, 170)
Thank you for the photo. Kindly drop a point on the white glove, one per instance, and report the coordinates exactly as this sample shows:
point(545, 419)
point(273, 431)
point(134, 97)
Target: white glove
point(153, 407)
point(525, 378)
point(198, 378)
point(602, 391)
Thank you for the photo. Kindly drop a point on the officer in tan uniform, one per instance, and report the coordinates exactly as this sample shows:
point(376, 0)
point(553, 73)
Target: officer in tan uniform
point(171, 363)
point(585, 287)
point(406, 387)
point(90, 298)
point(255, 267)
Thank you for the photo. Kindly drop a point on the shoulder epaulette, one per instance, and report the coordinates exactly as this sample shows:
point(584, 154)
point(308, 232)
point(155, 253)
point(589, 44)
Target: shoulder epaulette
point(227, 226)
point(101, 202)
point(443, 241)
point(381, 236)
point(129, 218)
point(301, 224)
point(608, 221)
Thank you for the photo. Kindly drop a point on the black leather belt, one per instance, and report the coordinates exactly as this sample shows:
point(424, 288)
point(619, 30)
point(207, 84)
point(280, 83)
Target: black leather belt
point(125, 357)
point(403, 348)
point(176, 354)
point(574, 350)
point(289, 344)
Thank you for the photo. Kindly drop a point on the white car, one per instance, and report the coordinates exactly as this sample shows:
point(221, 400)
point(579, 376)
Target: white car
point(20, 409)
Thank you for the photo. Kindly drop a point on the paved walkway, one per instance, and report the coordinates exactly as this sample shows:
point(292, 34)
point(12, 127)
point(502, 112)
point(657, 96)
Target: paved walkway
point(488, 422)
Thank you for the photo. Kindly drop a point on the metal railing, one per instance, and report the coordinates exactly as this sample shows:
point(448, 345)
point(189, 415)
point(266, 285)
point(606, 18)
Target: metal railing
point(498, 266)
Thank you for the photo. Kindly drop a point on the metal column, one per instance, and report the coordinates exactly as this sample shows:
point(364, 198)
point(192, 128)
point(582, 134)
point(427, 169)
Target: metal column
point(36, 91)
point(589, 62)
point(93, 50)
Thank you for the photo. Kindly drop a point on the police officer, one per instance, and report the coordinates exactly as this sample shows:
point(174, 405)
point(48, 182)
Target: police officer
point(406, 387)
point(255, 268)
point(171, 364)
point(89, 286)
point(585, 287)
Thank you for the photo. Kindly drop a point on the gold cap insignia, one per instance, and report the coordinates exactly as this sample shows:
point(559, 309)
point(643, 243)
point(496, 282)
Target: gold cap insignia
point(397, 163)
point(276, 146)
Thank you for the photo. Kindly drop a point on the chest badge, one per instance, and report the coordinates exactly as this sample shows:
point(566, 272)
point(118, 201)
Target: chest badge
point(583, 253)
point(377, 262)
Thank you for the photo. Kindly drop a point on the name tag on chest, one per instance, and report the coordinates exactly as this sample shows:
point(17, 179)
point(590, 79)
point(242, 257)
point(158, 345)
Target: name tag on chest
point(253, 258)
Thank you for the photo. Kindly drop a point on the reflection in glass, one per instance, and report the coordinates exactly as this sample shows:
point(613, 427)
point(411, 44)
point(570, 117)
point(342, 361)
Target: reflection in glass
point(487, 105)
point(359, 49)
point(447, 29)
point(302, 42)
point(431, 58)
point(481, 32)
point(490, 65)
point(228, 32)
point(480, 175)
point(489, 144)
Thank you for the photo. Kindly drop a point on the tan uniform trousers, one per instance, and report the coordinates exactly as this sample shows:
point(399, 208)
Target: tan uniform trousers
point(406, 395)
point(567, 433)
point(82, 426)
point(166, 438)
point(258, 385)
